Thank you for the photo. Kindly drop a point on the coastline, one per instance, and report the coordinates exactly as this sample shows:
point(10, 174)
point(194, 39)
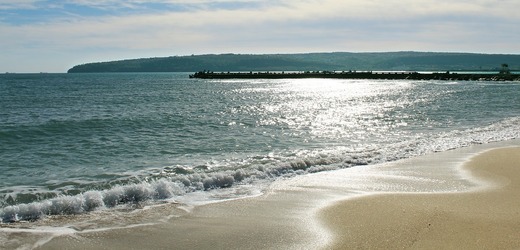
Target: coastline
point(483, 219)
point(290, 215)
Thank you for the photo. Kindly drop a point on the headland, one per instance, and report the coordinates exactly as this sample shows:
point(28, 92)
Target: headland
point(393, 61)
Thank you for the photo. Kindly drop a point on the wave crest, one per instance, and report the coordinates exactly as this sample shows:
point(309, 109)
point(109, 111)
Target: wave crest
point(170, 184)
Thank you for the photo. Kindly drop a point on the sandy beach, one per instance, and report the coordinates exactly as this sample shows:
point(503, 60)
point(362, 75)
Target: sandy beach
point(428, 202)
point(485, 219)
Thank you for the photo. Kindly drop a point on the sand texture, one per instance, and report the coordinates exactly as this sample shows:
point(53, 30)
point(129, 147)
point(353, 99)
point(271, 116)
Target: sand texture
point(484, 219)
point(427, 202)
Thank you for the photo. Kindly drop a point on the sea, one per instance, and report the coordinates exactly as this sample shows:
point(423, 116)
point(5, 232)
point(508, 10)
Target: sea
point(73, 144)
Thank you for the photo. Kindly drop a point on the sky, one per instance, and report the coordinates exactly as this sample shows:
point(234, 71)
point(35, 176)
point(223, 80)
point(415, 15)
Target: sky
point(55, 35)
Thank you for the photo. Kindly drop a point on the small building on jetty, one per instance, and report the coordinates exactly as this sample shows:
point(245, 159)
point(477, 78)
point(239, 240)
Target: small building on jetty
point(503, 75)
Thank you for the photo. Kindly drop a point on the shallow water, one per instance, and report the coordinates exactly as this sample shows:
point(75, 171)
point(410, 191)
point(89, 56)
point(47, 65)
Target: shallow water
point(75, 143)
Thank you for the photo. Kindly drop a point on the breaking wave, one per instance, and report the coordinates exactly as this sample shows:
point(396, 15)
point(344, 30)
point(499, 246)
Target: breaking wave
point(174, 182)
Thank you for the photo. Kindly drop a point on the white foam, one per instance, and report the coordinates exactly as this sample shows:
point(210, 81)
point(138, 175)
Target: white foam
point(257, 170)
point(434, 173)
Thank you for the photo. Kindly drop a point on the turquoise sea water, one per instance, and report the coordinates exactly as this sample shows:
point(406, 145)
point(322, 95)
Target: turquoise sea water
point(73, 143)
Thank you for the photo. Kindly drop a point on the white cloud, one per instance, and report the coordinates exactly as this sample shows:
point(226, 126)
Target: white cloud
point(275, 27)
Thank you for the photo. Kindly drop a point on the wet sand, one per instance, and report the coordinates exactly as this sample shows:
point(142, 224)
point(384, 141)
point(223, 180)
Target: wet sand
point(265, 222)
point(361, 207)
point(484, 219)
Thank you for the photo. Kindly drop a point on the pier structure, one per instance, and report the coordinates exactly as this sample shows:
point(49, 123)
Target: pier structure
point(378, 75)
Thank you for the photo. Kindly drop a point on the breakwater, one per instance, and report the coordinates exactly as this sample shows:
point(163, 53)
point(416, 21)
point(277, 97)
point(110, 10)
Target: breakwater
point(360, 75)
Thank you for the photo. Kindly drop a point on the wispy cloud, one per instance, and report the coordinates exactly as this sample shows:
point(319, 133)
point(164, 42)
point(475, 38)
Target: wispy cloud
point(111, 29)
point(18, 4)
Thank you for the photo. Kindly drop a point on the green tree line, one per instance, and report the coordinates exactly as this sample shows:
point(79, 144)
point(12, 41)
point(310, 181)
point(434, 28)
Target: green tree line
point(418, 61)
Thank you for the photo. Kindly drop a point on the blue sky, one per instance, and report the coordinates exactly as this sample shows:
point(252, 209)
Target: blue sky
point(52, 36)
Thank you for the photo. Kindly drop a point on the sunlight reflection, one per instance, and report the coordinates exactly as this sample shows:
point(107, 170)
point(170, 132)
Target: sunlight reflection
point(336, 108)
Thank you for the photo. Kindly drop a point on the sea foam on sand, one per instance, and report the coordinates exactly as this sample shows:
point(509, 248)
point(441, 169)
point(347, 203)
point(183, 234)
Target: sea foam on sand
point(310, 211)
point(484, 219)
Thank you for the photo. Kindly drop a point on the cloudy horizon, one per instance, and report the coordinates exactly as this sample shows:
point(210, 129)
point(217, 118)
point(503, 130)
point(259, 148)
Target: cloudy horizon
point(53, 36)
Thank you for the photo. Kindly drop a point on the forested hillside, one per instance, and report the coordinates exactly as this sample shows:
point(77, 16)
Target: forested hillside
point(311, 61)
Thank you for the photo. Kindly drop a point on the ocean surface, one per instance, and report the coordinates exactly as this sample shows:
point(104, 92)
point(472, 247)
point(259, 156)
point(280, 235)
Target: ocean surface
point(75, 143)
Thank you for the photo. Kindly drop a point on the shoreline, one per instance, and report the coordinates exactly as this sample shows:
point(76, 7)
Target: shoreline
point(288, 215)
point(486, 218)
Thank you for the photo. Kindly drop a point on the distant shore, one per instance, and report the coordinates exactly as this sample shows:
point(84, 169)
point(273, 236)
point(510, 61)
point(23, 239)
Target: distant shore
point(417, 61)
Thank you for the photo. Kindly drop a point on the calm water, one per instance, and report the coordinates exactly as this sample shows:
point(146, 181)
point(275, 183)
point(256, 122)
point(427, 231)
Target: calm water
point(72, 143)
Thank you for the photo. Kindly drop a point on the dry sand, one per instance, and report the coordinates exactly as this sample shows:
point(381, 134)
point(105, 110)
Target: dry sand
point(484, 219)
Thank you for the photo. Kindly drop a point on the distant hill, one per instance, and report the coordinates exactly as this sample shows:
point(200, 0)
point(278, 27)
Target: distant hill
point(418, 61)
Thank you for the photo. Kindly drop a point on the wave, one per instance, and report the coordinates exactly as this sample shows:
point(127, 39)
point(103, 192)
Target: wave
point(174, 182)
